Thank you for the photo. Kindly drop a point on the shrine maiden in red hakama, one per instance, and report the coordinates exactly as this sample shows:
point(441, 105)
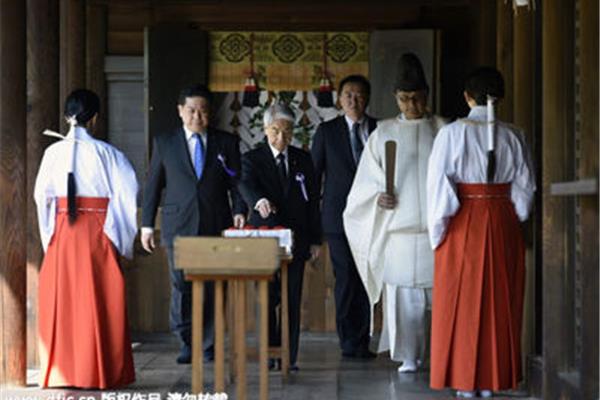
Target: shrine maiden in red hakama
point(479, 274)
point(83, 331)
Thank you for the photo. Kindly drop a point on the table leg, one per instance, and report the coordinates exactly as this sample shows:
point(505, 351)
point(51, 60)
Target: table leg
point(264, 339)
point(219, 339)
point(285, 321)
point(240, 339)
point(231, 325)
point(197, 322)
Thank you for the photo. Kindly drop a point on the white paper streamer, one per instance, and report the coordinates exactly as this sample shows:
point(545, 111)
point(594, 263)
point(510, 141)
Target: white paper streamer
point(491, 121)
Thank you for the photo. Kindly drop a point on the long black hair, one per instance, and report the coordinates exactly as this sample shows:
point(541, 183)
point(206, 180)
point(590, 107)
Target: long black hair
point(481, 83)
point(83, 105)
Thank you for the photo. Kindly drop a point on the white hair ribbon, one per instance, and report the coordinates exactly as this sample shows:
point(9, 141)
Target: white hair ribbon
point(491, 121)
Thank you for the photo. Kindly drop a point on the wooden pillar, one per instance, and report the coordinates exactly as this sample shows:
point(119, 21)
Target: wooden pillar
point(522, 98)
point(42, 113)
point(557, 128)
point(588, 167)
point(504, 56)
point(72, 49)
point(523, 85)
point(13, 180)
point(95, 49)
point(484, 34)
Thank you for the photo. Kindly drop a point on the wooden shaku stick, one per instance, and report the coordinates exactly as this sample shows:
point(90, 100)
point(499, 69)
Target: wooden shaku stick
point(390, 166)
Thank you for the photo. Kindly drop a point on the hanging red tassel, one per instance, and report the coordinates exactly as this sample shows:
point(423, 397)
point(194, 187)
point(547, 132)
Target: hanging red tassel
point(325, 92)
point(251, 91)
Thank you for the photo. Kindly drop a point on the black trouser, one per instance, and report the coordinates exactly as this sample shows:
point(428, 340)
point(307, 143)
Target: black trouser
point(295, 278)
point(352, 308)
point(180, 311)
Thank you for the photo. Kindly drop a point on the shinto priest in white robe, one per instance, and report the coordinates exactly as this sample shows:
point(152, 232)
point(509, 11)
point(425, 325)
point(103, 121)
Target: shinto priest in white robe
point(391, 246)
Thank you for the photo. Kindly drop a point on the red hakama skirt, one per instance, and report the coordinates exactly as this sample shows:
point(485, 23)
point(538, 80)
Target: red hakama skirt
point(83, 333)
point(478, 294)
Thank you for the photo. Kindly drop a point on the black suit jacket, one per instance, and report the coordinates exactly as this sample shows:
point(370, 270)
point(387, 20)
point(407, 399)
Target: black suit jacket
point(332, 156)
point(191, 206)
point(260, 179)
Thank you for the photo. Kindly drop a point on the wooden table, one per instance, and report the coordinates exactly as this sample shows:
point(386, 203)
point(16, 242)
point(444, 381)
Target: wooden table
point(234, 261)
point(236, 297)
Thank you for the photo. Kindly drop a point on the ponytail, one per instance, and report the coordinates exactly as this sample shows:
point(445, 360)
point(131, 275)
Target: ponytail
point(71, 202)
point(491, 127)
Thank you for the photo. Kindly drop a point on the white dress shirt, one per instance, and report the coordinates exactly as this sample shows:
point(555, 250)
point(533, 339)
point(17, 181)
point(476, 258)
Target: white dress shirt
point(287, 168)
point(191, 143)
point(276, 154)
point(363, 128)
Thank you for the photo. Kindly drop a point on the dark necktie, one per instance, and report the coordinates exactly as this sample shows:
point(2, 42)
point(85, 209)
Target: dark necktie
point(357, 141)
point(281, 170)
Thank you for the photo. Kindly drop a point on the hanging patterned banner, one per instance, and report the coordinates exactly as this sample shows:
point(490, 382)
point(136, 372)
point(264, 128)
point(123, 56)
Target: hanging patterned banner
point(285, 60)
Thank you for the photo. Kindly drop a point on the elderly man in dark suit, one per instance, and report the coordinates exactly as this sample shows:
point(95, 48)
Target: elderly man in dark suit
point(336, 150)
point(197, 166)
point(278, 183)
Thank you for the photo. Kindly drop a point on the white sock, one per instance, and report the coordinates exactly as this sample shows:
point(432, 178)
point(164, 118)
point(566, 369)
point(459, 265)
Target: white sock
point(408, 366)
point(465, 393)
point(485, 393)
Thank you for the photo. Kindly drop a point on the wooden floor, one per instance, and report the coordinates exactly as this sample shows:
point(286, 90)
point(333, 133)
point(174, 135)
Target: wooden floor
point(322, 375)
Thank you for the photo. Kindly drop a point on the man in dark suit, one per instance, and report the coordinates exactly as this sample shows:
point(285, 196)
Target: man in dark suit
point(278, 184)
point(336, 150)
point(197, 167)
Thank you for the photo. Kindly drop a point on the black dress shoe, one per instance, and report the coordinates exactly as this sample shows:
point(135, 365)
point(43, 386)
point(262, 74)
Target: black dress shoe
point(185, 355)
point(365, 353)
point(294, 368)
point(362, 353)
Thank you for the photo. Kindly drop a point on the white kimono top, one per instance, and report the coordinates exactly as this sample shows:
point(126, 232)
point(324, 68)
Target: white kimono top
point(459, 155)
point(391, 246)
point(100, 170)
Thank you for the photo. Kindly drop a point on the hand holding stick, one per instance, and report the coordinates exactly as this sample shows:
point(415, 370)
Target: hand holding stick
point(388, 199)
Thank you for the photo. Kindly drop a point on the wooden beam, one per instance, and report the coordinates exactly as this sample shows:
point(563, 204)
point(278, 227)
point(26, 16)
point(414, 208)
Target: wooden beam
point(557, 128)
point(95, 50)
point(575, 188)
point(523, 79)
point(42, 113)
point(126, 23)
point(588, 166)
point(13, 204)
point(72, 48)
point(285, 14)
point(504, 56)
point(129, 4)
point(484, 35)
point(522, 99)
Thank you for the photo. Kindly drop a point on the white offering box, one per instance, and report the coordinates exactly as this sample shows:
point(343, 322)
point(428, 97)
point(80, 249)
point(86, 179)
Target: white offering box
point(283, 235)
